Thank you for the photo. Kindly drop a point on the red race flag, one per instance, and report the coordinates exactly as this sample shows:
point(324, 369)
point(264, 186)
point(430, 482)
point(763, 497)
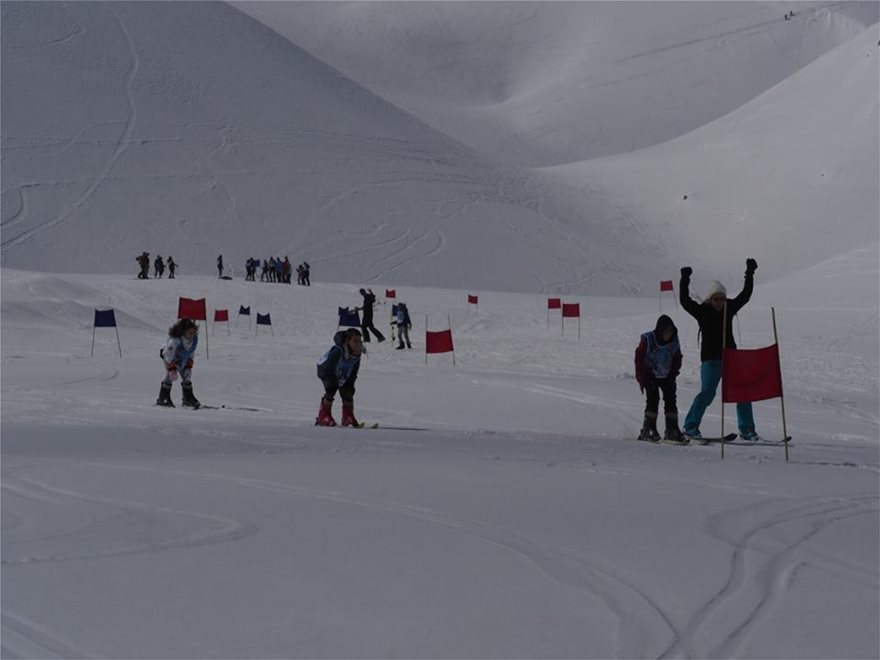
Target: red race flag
point(438, 342)
point(221, 315)
point(187, 308)
point(751, 374)
point(666, 285)
point(571, 310)
point(391, 293)
point(554, 303)
point(472, 299)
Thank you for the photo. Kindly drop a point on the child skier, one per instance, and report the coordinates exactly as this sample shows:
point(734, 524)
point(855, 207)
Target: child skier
point(658, 361)
point(403, 325)
point(338, 370)
point(710, 317)
point(177, 355)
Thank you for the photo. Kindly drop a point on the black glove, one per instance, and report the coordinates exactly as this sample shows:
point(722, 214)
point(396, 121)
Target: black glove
point(751, 266)
point(686, 272)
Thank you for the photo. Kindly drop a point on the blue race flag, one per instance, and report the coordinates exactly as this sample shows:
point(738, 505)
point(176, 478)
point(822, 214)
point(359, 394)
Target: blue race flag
point(264, 319)
point(348, 318)
point(244, 311)
point(105, 319)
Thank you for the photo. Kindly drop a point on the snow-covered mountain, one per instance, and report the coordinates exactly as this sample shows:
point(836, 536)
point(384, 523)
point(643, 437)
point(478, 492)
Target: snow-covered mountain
point(503, 507)
point(360, 137)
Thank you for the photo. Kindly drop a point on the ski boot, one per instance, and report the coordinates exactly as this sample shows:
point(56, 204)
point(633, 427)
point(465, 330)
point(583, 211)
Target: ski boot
point(694, 436)
point(672, 433)
point(749, 435)
point(325, 413)
point(165, 396)
point(189, 399)
point(649, 428)
point(348, 418)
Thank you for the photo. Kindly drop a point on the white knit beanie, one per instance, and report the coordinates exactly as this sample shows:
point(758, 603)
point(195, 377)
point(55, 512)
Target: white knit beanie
point(716, 287)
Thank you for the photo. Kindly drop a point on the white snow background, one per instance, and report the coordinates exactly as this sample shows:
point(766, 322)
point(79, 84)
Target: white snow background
point(509, 150)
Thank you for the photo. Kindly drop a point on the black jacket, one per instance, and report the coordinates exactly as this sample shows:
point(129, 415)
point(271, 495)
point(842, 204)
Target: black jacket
point(369, 300)
point(712, 322)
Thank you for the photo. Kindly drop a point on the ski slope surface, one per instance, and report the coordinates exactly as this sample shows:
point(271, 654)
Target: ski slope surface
point(502, 508)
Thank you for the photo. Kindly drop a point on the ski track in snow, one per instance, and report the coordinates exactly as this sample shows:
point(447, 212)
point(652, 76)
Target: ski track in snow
point(24, 639)
point(632, 606)
point(219, 529)
point(119, 148)
point(761, 571)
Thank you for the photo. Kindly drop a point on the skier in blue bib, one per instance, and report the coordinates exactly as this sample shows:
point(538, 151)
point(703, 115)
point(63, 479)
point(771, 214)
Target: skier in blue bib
point(338, 370)
point(658, 362)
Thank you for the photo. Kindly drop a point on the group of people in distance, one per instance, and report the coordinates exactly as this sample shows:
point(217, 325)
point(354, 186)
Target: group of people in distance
point(278, 270)
point(658, 360)
point(143, 261)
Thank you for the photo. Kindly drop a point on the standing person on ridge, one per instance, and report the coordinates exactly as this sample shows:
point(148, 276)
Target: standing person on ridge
point(219, 265)
point(338, 370)
point(710, 316)
point(367, 318)
point(158, 267)
point(658, 361)
point(171, 268)
point(177, 355)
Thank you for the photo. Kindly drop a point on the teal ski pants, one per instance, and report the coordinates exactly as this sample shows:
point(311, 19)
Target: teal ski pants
point(710, 376)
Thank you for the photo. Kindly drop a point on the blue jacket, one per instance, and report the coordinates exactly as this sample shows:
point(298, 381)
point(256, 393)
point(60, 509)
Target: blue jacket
point(336, 366)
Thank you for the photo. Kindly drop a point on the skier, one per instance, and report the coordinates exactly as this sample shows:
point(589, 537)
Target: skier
point(158, 267)
point(658, 361)
point(220, 265)
point(403, 325)
point(710, 316)
point(367, 318)
point(177, 355)
point(171, 268)
point(338, 370)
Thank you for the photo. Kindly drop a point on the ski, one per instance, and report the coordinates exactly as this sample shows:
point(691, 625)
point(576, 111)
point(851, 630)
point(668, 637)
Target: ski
point(225, 407)
point(760, 443)
point(709, 440)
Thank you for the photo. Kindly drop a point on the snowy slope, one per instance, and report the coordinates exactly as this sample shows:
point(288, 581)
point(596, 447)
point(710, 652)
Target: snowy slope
point(791, 177)
point(522, 520)
point(555, 82)
point(189, 129)
point(502, 509)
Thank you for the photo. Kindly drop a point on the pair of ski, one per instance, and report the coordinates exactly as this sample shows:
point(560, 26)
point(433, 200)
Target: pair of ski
point(728, 439)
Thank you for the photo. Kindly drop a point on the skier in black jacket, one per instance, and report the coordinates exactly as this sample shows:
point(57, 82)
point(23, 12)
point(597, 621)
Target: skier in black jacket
point(367, 317)
point(710, 316)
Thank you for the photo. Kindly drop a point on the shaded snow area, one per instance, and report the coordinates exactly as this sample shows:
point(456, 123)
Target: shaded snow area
point(511, 514)
point(503, 507)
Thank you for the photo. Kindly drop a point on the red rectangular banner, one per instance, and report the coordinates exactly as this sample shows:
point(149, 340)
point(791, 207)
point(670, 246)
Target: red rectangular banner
point(554, 303)
point(391, 293)
point(438, 342)
point(221, 315)
point(666, 285)
point(188, 308)
point(571, 310)
point(472, 299)
point(751, 374)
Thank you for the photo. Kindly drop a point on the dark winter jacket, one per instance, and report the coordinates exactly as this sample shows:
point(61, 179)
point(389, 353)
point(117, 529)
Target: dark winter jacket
point(711, 321)
point(337, 366)
point(654, 359)
point(369, 300)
